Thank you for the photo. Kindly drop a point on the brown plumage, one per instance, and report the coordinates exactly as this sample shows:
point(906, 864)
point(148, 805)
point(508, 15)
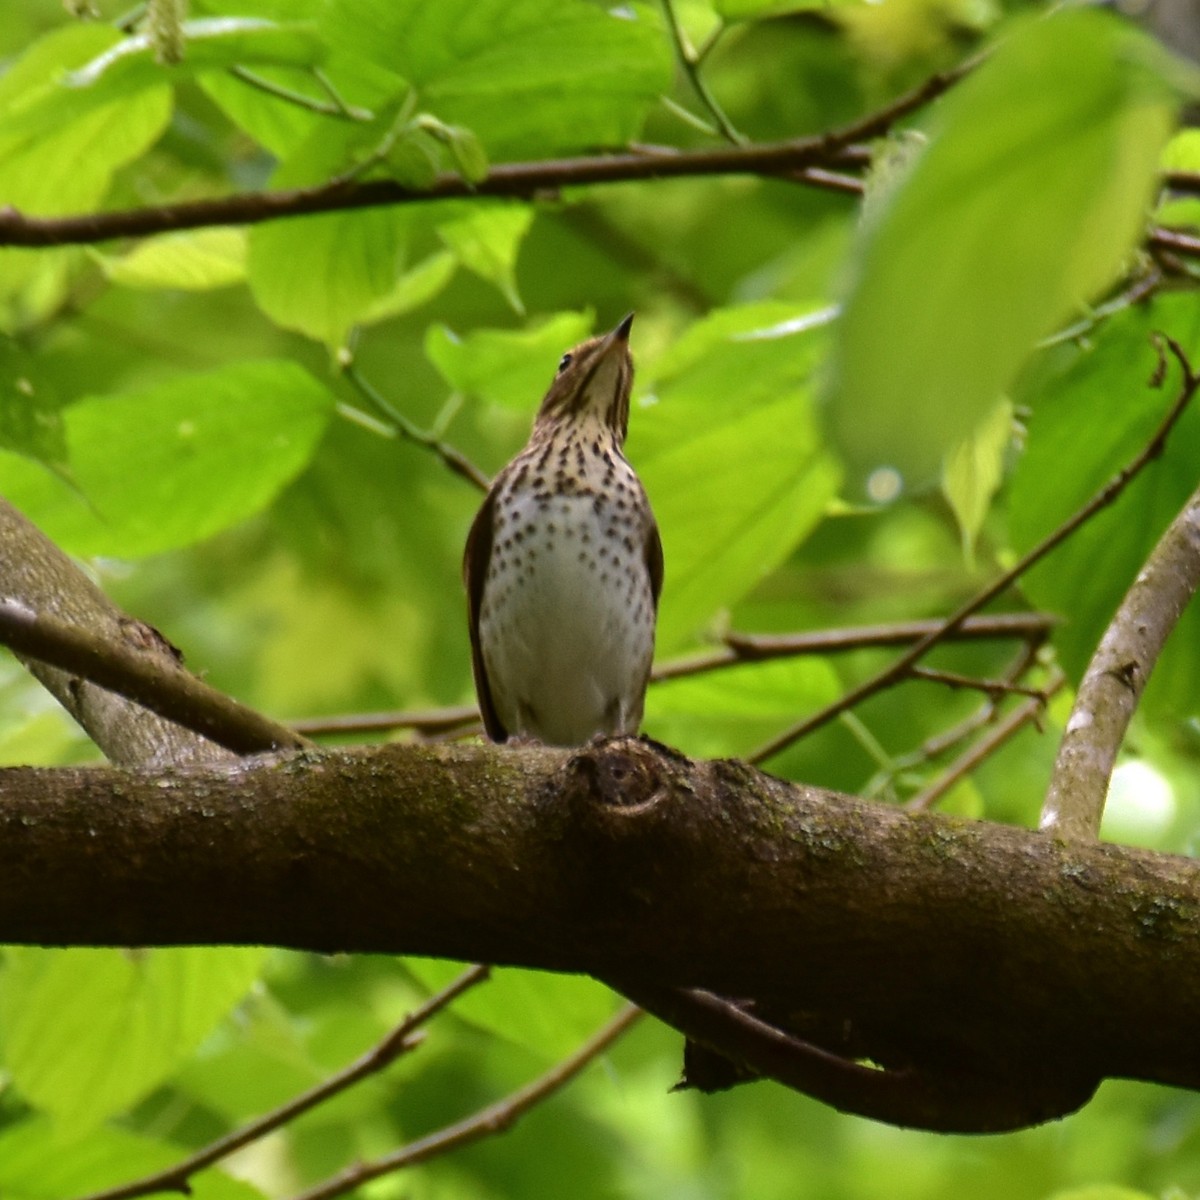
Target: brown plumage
point(563, 565)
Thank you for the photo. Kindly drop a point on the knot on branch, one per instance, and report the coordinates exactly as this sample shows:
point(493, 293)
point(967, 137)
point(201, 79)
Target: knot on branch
point(618, 775)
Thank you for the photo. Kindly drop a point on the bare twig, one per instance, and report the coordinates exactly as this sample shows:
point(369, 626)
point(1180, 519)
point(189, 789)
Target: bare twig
point(1024, 714)
point(424, 720)
point(901, 667)
point(1175, 240)
point(511, 180)
point(399, 1041)
point(496, 1118)
point(171, 692)
point(995, 688)
point(742, 648)
point(454, 459)
point(1115, 678)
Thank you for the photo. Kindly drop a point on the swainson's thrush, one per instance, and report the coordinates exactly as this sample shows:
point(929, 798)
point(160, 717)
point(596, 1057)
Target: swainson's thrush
point(563, 565)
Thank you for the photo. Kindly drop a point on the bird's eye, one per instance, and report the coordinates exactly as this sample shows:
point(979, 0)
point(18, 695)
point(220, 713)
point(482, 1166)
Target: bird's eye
point(564, 363)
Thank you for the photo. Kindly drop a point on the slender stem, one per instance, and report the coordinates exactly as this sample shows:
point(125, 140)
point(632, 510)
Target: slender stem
point(454, 459)
point(399, 1041)
point(689, 118)
point(495, 1118)
point(901, 667)
point(299, 99)
point(689, 62)
point(348, 110)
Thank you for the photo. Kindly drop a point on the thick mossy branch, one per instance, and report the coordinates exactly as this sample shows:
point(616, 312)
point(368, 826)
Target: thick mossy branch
point(925, 942)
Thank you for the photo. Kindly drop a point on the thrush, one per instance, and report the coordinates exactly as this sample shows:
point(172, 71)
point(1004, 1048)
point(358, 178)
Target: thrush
point(563, 565)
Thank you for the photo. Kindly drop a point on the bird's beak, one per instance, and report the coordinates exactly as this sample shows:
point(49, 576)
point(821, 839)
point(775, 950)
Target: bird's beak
point(621, 333)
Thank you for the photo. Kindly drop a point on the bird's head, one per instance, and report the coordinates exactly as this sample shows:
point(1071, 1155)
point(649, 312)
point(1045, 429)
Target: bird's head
point(592, 384)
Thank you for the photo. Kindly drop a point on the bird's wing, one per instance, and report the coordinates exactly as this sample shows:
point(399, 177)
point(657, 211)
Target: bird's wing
point(476, 557)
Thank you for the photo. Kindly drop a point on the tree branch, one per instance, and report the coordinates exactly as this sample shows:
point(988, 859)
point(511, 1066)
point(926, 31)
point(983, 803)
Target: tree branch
point(37, 574)
point(524, 181)
point(943, 945)
point(956, 1101)
point(155, 681)
point(1117, 675)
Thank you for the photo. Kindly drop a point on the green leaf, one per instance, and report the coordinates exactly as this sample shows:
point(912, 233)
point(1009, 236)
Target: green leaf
point(527, 76)
point(320, 275)
point(418, 285)
point(86, 1033)
point(37, 1162)
point(164, 467)
point(973, 470)
point(193, 261)
point(64, 162)
point(1024, 206)
point(727, 713)
point(509, 368)
point(469, 155)
point(547, 1014)
point(30, 422)
point(487, 241)
point(728, 447)
point(1101, 387)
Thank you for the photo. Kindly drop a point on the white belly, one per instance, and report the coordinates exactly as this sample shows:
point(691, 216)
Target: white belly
point(567, 619)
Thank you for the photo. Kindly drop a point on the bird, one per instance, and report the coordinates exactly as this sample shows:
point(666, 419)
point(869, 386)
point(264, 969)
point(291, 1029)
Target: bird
point(563, 565)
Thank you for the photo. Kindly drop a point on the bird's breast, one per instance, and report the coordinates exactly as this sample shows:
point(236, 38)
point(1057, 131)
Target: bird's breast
point(566, 621)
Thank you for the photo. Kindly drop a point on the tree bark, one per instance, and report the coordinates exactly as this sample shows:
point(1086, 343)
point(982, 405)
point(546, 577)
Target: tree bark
point(924, 941)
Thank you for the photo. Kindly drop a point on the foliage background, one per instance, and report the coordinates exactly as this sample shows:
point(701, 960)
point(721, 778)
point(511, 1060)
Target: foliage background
point(173, 412)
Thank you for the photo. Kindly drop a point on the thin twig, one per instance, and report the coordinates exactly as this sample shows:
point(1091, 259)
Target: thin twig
point(399, 1041)
point(1024, 714)
point(526, 181)
point(991, 687)
point(831, 181)
point(939, 744)
point(1187, 182)
point(495, 1118)
point(454, 459)
point(1175, 240)
point(741, 648)
point(898, 669)
point(690, 64)
point(173, 693)
point(424, 720)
